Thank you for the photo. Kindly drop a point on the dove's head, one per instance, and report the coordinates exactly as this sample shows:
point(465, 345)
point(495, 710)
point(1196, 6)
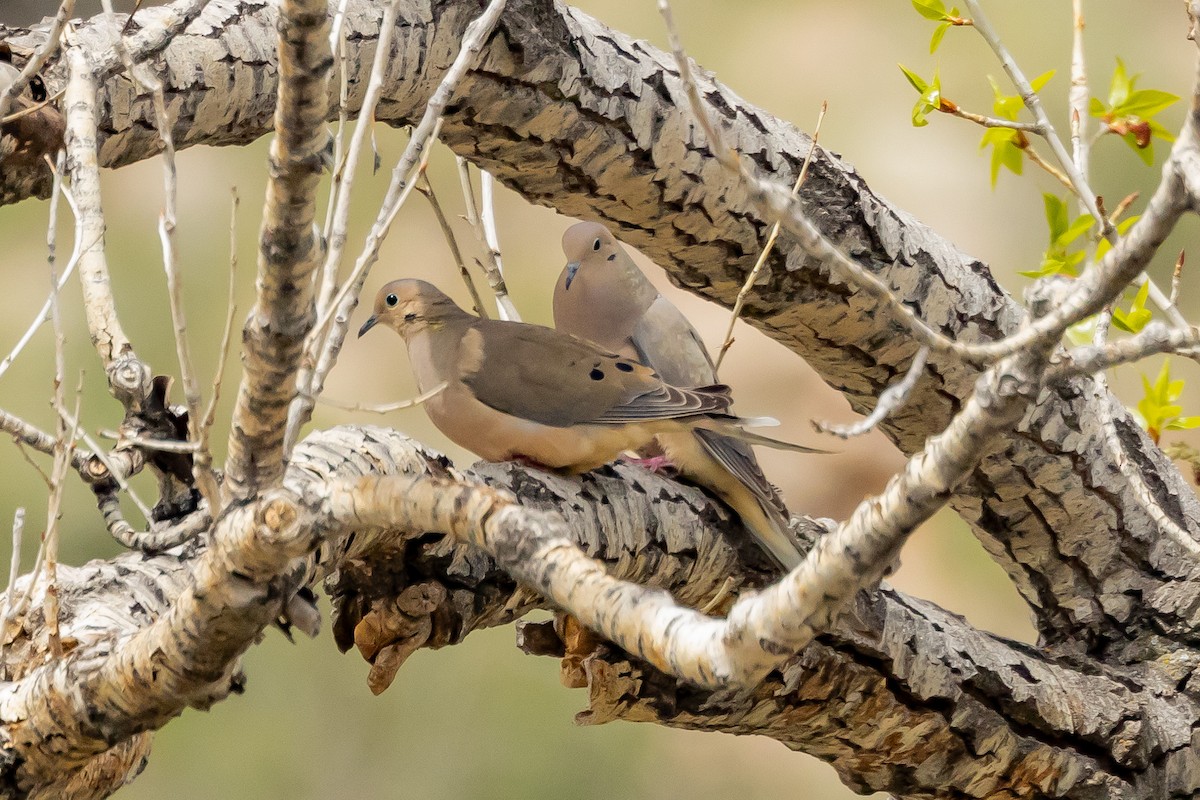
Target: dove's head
point(589, 246)
point(409, 305)
point(601, 283)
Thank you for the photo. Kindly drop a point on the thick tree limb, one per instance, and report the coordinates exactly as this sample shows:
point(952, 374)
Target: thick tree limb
point(273, 339)
point(575, 115)
point(962, 714)
point(902, 697)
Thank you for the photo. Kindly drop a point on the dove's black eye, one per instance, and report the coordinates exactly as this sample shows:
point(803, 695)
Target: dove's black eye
point(596, 245)
point(391, 300)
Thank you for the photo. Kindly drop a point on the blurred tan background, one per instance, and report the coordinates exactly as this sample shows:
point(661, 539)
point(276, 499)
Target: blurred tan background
point(482, 720)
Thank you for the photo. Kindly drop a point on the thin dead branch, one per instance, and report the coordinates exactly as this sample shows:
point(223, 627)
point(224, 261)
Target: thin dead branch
point(426, 189)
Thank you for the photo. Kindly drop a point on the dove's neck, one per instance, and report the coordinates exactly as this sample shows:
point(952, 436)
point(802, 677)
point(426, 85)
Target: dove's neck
point(434, 351)
point(605, 303)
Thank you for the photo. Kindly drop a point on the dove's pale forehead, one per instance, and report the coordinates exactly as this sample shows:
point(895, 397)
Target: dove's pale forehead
point(580, 239)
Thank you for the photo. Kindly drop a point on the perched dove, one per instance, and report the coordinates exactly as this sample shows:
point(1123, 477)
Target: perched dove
point(519, 391)
point(602, 296)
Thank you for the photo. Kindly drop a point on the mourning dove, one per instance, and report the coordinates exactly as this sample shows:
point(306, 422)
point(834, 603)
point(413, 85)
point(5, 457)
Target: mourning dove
point(602, 296)
point(519, 391)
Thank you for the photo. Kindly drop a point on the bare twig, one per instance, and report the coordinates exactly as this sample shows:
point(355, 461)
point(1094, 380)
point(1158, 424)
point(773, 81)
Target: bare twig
point(890, 400)
point(1177, 276)
point(32, 109)
point(1130, 471)
point(415, 153)
point(44, 314)
point(490, 263)
point(28, 459)
point(347, 295)
point(748, 285)
point(14, 570)
point(162, 445)
point(202, 471)
point(487, 192)
point(128, 377)
point(64, 441)
point(1078, 94)
point(343, 179)
point(777, 202)
point(118, 474)
point(210, 415)
point(385, 408)
point(990, 122)
point(63, 445)
point(1076, 181)
point(288, 254)
point(1157, 337)
point(27, 434)
point(1049, 168)
point(39, 59)
point(426, 189)
point(338, 43)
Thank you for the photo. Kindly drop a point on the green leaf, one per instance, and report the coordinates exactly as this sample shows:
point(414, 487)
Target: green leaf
point(1056, 215)
point(1122, 85)
point(1138, 316)
point(930, 9)
point(1083, 332)
point(1140, 297)
point(1146, 154)
point(931, 95)
point(1096, 108)
point(1041, 80)
point(1004, 151)
point(1158, 409)
point(1132, 321)
point(917, 82)
point(1163, 379)
point(936, 41)
point(1159, 132)
point(1004, 106)
point(1082, 224)
point(1145, 103)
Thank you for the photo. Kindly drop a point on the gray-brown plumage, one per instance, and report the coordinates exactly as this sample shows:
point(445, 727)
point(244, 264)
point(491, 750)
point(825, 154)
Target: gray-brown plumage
point(602, 296)
point(518, 391)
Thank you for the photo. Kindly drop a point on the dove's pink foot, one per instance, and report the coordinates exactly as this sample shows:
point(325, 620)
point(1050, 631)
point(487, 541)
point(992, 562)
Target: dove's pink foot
point(657, 464)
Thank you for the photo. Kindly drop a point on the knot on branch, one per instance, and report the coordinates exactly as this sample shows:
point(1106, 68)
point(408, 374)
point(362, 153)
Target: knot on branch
point(130, 380)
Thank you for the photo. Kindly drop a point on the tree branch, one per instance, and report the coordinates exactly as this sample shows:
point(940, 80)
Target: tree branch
point(288, 252)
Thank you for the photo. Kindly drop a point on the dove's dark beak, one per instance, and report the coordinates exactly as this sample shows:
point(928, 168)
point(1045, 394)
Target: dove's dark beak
point(572, 268)
point(370, 323)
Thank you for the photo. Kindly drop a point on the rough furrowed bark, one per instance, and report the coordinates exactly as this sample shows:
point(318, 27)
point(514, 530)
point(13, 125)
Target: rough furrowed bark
point(575, 115)
point(901, 696)
point(283, 314)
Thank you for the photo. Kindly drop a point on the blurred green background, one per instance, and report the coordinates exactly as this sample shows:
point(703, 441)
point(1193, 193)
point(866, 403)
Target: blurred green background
point(482, 720)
